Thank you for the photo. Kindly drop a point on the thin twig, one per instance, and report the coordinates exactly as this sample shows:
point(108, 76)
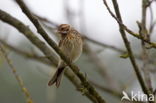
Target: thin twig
point(18, 78)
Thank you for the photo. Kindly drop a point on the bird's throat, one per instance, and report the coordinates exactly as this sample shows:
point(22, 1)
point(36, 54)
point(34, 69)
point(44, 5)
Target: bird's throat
point(63, 35)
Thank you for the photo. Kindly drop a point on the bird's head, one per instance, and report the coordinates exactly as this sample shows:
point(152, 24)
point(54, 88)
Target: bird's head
point(64, 29)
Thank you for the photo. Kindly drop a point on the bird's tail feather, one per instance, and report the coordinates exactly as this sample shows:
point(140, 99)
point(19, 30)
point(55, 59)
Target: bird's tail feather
point(57, 77)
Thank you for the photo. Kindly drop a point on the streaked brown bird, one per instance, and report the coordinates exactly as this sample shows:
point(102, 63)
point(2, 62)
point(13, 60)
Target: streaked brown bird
point(71, 45)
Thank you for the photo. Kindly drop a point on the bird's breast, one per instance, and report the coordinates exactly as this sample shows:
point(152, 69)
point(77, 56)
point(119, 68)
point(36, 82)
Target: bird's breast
point(72, 46)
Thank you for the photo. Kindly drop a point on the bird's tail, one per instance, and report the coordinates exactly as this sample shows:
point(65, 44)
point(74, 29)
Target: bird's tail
point(57, 77)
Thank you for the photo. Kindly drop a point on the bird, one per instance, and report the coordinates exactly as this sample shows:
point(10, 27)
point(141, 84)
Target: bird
point(71, 44)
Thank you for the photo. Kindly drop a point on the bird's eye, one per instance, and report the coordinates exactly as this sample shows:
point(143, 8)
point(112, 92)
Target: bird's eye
point(67, 29)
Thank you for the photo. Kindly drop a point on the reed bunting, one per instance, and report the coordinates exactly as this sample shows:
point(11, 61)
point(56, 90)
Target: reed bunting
point(71, 45)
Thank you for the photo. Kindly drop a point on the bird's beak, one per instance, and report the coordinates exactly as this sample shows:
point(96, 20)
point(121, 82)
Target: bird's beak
point(62, 32)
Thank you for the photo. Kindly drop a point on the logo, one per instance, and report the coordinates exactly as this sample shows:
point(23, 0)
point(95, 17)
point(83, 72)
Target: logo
point(125, 96)
point(137, 96)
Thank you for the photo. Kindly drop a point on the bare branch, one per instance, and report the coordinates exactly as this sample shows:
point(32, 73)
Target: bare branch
point(143, 32)
point(69, 74)
point(42, 46)
point(127, 45)
point(74, 68)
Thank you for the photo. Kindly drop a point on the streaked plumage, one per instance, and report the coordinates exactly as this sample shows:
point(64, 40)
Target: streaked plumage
point(71, 45)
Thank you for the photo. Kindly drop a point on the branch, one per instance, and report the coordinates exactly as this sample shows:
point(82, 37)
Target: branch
point(101, 69)
point(99, 65)
point(27, 54)
point(114, 48)
point(151, 61)
point(69, 74)
point(47, 51)
point(74, 68)
point(84, 37)
point(152, 22)
point(143, 32)
point(127, 45)
point(17, 77)
point(152, 45)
